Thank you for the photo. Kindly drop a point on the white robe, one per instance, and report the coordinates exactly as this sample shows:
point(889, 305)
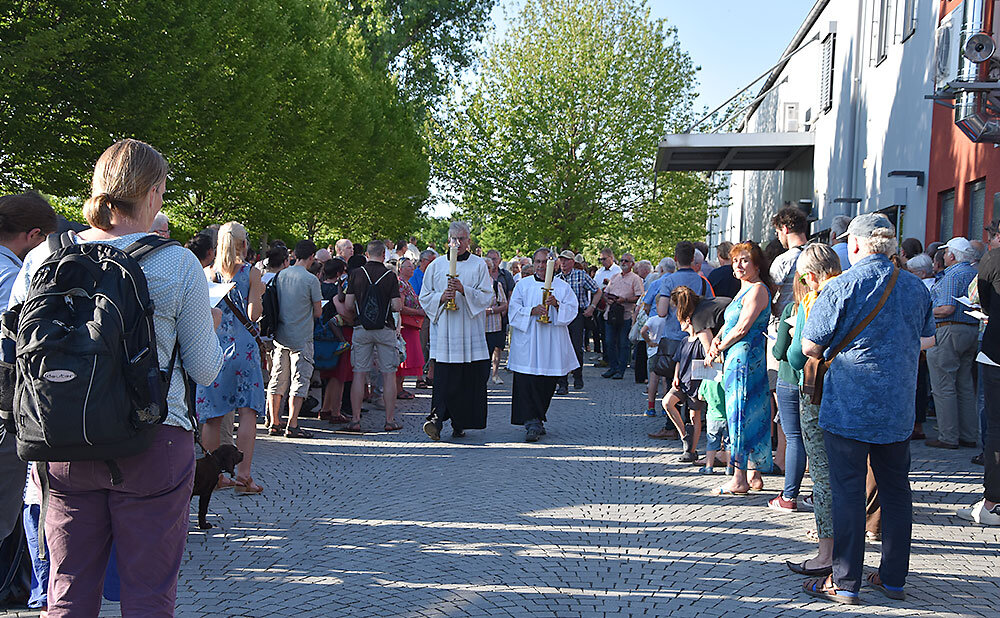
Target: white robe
point(536, 348)
point(458, 336)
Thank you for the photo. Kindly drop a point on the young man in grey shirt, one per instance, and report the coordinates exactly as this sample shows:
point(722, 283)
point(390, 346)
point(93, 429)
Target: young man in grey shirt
point(299, 304)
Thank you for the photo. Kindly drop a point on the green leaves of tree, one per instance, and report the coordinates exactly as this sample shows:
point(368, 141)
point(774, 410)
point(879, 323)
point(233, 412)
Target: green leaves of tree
point(554, 144)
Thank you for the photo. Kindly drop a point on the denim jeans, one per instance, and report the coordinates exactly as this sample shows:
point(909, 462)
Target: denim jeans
point(616, 340)
point(848, 474)
point(787, 396)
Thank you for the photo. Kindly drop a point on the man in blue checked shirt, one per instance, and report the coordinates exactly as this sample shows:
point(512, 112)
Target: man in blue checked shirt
point(951, 361)
point(587, 295)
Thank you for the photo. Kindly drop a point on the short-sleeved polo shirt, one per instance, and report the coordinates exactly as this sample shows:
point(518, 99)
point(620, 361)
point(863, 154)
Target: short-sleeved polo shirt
point(667, 284)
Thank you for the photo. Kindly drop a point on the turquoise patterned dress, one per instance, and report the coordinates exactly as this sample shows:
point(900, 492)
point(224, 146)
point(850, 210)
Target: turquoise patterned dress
point(240, 383)
point(748, 405)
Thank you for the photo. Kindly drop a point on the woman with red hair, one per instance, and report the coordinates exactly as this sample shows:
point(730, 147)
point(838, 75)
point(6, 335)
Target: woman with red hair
point(743, 344)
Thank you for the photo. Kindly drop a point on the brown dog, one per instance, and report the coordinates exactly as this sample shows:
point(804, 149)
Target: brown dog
point(206, 476)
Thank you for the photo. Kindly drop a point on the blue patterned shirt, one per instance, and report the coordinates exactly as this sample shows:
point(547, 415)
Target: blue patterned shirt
point(954, 283)
point(582, 284)
point(869, 390)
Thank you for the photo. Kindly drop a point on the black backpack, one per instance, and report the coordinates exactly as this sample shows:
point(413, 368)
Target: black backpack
point(268, 323)
point(373, 310)
point(84, 382)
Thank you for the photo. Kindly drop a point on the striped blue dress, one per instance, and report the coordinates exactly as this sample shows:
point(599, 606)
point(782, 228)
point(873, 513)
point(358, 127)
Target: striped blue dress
point(748, 406)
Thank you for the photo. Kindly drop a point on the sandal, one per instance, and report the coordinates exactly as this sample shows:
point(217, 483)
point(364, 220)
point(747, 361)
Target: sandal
point(725, 491)
point(339, 419)
point(405, 395)
point(393, 426)
point(225, 483)
point(422, 383)
point(824, 588)
point(873, 580)
point(275, 430)
point(353, 428)
point(246, 487)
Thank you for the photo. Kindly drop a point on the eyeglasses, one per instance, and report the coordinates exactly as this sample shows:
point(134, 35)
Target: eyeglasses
point(628, 262)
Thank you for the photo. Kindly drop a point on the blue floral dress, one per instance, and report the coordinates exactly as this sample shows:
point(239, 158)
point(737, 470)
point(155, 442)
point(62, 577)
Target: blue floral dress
point(240, 383)
point(748, 406)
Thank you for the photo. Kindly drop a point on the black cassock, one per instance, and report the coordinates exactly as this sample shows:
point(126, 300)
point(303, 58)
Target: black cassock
point(460, 393)
point(531, 397)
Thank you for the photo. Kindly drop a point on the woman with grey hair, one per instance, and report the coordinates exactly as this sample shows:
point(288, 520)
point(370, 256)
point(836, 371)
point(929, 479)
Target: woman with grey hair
point(922, 266)
point(817, 265)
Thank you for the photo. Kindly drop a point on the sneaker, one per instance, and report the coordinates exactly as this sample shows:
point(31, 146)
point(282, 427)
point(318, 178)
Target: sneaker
point(688, 457)
point(979, 514)
point(608, 373)
point(707, 470)
point(497, 380)
point(778, 503)
point(297, 432)
point(618, 376)
point(562, 389)
point(651, 412)
point(806, 501)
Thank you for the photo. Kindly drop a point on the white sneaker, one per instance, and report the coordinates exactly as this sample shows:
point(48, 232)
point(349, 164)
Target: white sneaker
point(979, 514)
point(497, 380)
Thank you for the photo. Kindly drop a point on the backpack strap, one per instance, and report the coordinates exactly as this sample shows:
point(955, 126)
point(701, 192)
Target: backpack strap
point(59, 241)
point(148, 244)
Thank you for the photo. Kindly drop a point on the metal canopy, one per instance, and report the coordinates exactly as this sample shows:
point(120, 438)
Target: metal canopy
point(712, 152)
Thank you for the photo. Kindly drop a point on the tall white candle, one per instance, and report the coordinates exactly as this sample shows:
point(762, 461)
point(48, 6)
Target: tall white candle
point(550, 268)
point(453, 260)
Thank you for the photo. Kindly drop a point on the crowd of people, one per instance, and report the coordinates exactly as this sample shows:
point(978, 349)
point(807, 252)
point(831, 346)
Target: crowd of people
point(798, 355)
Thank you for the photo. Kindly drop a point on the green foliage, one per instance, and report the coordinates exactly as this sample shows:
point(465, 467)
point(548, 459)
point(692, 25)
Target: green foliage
point(554, 144)
point(269, 113)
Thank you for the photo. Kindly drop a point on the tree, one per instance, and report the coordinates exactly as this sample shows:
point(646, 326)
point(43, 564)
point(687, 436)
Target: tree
point(555, 142)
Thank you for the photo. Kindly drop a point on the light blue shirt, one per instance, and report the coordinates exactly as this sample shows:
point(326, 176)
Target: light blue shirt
point(10, 265)
point(870, 388)
point(667, 284)
point(841, 250)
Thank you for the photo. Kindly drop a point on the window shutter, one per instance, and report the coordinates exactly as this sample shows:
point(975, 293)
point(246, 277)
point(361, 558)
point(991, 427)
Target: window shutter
point(826, 74)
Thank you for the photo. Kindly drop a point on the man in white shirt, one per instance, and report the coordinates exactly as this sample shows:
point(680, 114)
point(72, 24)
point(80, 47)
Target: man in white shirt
point(607, 270)
point(540, 353)
point(791, 225)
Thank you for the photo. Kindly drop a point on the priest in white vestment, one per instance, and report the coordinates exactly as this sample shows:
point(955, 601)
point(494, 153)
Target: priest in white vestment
point(539, 353)
point(458, 338)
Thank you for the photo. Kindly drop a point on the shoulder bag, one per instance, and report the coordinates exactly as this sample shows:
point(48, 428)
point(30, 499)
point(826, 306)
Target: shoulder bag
point(247, 324)
point(816, 368)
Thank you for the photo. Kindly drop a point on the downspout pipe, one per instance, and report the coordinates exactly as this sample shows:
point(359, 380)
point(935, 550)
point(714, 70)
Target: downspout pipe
point(971, 116)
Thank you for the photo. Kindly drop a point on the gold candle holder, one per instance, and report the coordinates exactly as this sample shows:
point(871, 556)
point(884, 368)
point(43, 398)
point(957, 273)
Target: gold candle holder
point(544, 318)
point(450, 305)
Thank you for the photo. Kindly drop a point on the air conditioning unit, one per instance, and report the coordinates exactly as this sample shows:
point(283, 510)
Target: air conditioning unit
point(947, 49)
point(791, 116)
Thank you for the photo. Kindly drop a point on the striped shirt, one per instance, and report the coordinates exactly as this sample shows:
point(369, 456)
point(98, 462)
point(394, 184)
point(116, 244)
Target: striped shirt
point(582, 285)
point(954, 283)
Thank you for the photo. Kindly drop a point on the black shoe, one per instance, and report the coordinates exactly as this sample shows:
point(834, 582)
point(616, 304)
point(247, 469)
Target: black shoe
point(618, 376)
point(978, 459)
point(297, 432)
point(562, 389)
point(532, 435)
point(457, 433)
point(800, 568)
point(433, 429)
point(608, 373)
point(967, 444)
point(577, 385)
point(688, 457)
point(309, 408)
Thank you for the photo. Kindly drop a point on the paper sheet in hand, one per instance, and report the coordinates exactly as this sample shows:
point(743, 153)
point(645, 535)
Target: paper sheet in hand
point(982, 358)
point(790, 321)
point(967, 302)
point(217, 291)
point(700, 372)
point(979, 315)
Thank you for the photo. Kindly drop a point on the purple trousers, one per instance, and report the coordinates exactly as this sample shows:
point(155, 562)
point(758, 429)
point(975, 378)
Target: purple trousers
point(146, 515)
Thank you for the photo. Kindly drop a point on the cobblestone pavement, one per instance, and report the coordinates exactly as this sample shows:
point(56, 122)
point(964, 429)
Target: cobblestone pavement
point(596, 519)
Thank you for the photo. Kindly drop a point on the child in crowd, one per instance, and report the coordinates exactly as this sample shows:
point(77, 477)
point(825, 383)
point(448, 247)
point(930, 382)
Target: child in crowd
point(685, 390)
point(651, 332)
point(717, 428)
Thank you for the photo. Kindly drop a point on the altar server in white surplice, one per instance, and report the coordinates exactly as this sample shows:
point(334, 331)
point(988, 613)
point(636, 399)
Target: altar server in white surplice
point(458, 338)
point(539, 353)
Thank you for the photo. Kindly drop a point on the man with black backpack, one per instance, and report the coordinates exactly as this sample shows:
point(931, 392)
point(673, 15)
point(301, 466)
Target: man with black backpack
point(373, 294)
point(299, 304)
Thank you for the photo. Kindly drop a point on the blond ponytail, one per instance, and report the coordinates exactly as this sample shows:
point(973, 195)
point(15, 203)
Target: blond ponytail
point(228, 256)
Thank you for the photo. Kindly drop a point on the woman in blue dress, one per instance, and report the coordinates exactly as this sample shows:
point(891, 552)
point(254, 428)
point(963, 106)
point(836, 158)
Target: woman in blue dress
point(743, 343)
point(240, 385)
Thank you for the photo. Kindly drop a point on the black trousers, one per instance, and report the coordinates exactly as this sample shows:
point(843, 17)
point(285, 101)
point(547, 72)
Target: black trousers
point(891, 466)
point(591, 333)
point(924, 391)
point(576, 338)
point(599, 321)
point(639, 362)
point(991, 441)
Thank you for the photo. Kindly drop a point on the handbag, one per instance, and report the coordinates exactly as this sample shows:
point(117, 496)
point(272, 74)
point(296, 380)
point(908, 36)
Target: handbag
point(640, 321)
point(412, 321)
point(616, 314)
point(401, 348)
point(816, 368)
point(662, 363)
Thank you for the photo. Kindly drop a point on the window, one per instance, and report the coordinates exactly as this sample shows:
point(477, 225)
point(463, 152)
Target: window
point(946, 200)
point(880, 30)
point(977, 208)
point(826, 73)
point(908, 23)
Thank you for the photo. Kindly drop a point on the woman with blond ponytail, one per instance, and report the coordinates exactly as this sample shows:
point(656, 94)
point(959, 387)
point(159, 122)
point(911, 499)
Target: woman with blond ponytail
point(145, 512)
point(240, 385)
